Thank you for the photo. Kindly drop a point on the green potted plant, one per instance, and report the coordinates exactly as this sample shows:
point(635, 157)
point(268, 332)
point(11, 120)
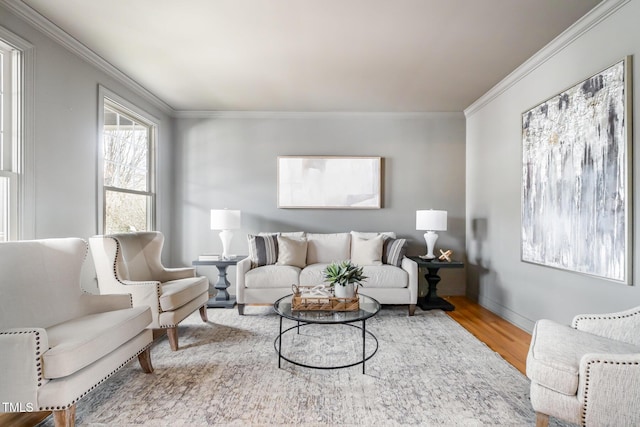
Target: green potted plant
point(343, 277)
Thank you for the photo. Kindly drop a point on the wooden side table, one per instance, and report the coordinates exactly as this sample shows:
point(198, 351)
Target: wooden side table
point(222, 299)
point(432, 300)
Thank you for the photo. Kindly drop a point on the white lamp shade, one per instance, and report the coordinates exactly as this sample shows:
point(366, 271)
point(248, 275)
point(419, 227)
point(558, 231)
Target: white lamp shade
point(225, 219)
point(431, 220)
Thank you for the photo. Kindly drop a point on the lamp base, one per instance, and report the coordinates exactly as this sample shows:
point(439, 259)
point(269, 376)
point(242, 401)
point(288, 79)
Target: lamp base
point(430, 237)
point(225, 237)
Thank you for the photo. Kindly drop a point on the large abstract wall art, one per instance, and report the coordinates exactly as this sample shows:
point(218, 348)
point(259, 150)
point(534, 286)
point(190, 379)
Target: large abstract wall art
point(576, 177)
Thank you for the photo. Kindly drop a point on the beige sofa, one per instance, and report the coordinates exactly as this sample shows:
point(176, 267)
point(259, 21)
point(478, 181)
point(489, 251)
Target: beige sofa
point(279, 260)
point(58, 343)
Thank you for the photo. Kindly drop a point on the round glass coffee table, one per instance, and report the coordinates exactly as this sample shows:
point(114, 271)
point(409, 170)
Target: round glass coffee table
point(369, 307)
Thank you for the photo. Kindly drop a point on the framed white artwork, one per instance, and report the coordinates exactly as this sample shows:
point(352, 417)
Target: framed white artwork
point(329, 182)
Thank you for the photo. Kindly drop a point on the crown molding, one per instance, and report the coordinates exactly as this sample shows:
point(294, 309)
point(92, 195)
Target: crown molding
point(584, 24)
point(204, 114)
point(66, 40)
point(591, 19)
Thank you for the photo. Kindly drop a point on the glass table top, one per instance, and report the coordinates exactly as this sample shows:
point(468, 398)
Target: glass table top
point(368, 307)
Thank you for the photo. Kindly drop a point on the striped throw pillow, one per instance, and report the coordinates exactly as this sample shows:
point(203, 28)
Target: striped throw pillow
point(263, 250)
point(393, 250)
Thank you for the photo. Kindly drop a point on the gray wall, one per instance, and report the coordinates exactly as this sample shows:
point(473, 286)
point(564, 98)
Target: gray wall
point(518, 291)
point(65, 149)
point(228, 160)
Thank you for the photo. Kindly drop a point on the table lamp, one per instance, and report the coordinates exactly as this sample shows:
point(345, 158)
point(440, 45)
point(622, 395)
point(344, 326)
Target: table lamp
point(225, 220)
point(431, 221)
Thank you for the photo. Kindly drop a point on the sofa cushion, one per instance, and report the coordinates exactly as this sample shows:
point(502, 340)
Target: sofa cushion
point(327, 248)
point(393, 250)
point(555, 352)
point(292, 252)
point(312, 275)
point(80, 342)
point(263, 249)
point(176, 293)
point(272, 276)
point(366, 251)
point(385, 276)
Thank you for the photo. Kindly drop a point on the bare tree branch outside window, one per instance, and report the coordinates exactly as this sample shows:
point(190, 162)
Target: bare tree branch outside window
point(126, 173)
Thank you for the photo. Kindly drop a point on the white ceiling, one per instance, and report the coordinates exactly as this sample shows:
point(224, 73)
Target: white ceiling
point(315, 55)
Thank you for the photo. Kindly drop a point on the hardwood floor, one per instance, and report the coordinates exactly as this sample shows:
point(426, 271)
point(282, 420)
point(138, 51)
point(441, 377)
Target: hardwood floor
point(511, 342)
point(506, 339)
point(29, 419)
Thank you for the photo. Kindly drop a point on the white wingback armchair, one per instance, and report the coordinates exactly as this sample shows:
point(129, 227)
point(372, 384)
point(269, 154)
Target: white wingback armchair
point(587, 373)
point(58, 343)
point(130, 263)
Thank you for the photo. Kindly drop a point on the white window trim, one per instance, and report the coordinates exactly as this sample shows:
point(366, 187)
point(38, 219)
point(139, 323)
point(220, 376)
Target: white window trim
point(23, 223)
point(106, 95)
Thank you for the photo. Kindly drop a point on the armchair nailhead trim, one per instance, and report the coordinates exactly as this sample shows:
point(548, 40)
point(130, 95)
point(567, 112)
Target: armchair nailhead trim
point(58, 408)
point(115, 274)
point(38, 358)
point(583, 415)
point(606, 317)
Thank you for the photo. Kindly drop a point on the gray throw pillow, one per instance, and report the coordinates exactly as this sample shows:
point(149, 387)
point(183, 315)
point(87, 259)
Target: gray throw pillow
point(393, 250)
point(263, 250)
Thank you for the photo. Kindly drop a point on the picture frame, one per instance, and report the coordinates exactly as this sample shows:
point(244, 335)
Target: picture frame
point(329, 182)
point(576, 177)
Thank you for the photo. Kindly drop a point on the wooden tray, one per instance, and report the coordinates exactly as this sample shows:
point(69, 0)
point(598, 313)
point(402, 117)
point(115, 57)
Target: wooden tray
point(300, 302)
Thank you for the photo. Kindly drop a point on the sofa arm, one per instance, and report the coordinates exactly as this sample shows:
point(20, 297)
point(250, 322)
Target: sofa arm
point(411, 267)
point(242, 268)
point(609, 389)
point(620, 326)
point(21, 351)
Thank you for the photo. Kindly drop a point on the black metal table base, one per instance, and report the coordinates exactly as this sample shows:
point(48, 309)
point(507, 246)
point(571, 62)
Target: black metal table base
point(278, 346)
point(428, 303)
point(432, 301)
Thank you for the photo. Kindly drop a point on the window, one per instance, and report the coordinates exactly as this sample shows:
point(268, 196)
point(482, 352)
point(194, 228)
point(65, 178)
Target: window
point(9, 138)
point(128, 184)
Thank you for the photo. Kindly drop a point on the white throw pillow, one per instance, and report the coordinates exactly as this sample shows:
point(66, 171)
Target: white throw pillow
point(328, 247)
point(292, 252)
point(367, 251)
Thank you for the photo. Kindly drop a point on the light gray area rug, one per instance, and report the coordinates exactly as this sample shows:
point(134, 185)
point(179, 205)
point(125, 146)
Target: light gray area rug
point(428, 370)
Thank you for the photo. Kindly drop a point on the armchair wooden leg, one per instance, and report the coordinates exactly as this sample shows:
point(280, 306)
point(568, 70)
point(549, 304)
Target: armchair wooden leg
point(412, 309)
point(241, 309)
point(542, 420)
point(172, 333)
point(145, 361)
point(65, 417)
point(203, 313)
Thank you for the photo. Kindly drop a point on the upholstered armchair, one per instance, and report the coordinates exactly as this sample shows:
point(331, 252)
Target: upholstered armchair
point(587, 373)
point(130, 263)
point(57, 343)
